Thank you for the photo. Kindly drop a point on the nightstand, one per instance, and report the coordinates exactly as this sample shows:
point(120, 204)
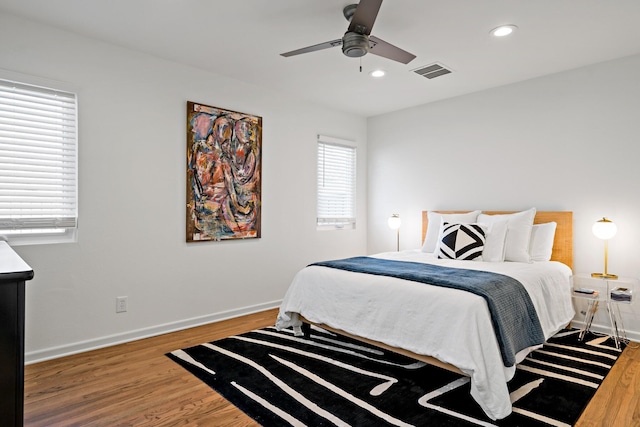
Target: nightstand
point(611, 293)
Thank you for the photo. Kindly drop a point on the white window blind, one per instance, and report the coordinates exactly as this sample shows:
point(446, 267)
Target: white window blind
point(38, 159)
point(336, 183)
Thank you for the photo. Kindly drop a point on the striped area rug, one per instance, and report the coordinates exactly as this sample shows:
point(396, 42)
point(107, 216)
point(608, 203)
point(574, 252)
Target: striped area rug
point(278, 379)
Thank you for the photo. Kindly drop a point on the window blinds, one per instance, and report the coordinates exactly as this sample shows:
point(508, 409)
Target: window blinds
point(336, 183)
point(38, 161)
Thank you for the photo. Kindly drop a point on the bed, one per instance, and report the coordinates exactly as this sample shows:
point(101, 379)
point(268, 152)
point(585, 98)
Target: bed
point(444, 326)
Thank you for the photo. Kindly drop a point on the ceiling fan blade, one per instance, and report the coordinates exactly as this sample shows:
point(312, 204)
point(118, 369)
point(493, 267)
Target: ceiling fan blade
point(364, 16)
point(387, 50)
point(325, 45)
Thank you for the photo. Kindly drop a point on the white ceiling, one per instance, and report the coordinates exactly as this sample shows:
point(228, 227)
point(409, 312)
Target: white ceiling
point(243, 39)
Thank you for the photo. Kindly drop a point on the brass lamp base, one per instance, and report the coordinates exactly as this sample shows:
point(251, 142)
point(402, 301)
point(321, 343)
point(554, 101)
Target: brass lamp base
point(604, 276)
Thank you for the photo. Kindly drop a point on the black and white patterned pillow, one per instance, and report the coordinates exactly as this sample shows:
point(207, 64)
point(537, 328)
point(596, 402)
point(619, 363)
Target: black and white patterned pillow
point(462, 241)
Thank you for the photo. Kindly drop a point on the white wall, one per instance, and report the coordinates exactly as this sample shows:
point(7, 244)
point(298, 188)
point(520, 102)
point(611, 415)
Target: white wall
point(132, 179)
point(567, 141)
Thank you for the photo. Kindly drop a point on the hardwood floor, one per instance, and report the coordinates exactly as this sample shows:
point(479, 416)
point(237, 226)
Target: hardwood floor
point(135, 384)
point(617, 401)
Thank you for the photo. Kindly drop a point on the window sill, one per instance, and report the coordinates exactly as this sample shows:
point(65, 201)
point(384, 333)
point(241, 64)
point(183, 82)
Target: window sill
point(41, 239)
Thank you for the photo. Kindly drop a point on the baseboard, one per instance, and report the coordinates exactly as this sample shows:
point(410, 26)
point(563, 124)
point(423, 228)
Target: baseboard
point(107, 341)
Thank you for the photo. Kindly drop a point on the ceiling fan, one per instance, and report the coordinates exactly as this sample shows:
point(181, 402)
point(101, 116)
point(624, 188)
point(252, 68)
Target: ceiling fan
point(358, 41)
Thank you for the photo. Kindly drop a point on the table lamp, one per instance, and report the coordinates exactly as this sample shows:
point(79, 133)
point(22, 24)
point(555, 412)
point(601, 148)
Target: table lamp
point(394, 222)
point(604, 229)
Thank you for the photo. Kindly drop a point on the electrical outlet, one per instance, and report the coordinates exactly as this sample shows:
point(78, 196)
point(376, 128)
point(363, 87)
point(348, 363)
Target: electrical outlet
point(121, 304)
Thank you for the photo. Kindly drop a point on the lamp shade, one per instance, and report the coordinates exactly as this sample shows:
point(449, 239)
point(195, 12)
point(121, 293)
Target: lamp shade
point(394, 221)
point(604, 229)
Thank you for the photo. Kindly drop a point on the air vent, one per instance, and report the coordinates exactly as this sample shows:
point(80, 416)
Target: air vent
point(432, 71)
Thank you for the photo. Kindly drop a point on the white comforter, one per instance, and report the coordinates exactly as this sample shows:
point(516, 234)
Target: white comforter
point(453, 326)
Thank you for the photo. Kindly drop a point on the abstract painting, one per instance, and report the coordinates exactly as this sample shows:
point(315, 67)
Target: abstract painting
point(224, 159)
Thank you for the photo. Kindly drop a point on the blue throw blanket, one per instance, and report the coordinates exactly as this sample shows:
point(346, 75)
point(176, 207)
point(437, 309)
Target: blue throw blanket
point(513, 315)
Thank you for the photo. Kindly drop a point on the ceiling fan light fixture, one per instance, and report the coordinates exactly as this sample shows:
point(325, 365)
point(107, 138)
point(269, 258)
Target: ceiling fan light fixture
point(503, 30)
point(355, 45)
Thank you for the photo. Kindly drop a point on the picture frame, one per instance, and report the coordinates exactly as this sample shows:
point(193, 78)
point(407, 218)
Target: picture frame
point(224, 174)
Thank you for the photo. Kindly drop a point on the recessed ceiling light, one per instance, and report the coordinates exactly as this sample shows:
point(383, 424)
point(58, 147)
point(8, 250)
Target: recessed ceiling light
point(377, 73)
point(503, 30)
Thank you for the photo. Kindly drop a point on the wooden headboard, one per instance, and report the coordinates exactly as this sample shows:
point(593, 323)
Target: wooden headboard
point(562, 244)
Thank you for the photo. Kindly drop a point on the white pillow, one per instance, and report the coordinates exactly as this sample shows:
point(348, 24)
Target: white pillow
point(541, 245)
point(519, 229)
point(495, 241)
point(435, 221)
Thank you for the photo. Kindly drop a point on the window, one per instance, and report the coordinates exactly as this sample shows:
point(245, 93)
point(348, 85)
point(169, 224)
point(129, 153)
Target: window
point(336, 183)
point(38, 163)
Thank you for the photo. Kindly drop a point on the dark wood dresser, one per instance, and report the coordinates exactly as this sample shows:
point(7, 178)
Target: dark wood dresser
point(14, 272)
